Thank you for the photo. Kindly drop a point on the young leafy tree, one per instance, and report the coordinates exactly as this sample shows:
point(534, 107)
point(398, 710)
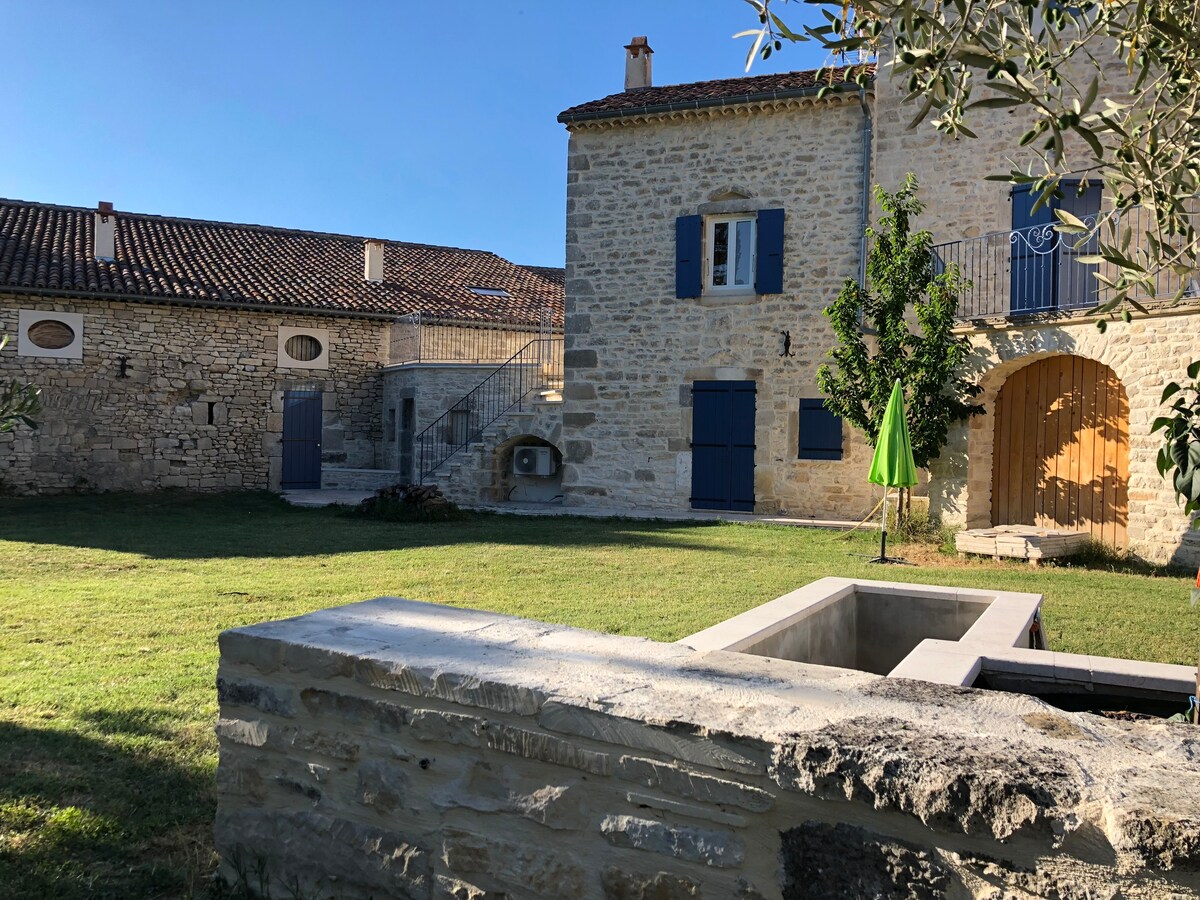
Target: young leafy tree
point(876, 341)
point(1179, 457)
point(1054, 63)
point(19, 403)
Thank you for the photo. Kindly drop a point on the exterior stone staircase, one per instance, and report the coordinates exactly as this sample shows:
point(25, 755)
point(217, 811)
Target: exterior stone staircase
point(473, 476)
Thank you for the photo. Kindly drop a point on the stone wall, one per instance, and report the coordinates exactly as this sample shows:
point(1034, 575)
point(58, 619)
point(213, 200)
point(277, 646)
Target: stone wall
point(401, 749)
point(186, 365)
point(633, 349)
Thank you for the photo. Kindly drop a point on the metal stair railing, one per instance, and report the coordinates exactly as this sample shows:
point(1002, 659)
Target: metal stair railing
point(538, 366)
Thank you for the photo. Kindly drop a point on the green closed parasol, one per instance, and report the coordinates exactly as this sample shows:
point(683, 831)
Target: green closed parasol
point(893, 464)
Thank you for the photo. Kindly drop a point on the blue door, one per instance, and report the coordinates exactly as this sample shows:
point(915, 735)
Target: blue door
point(1033, 253)
point(301, 440)
point(723, 445)
point(1076, 286)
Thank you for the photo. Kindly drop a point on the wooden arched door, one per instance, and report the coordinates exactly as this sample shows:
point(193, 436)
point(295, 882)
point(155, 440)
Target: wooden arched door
point(1061, 450)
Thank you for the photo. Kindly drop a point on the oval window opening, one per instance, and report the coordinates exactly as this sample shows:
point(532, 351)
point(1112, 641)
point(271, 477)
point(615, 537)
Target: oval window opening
point(303, 347)
point(50, 334)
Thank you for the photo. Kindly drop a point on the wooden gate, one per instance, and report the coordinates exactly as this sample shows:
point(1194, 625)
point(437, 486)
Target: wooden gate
point(1061, 449)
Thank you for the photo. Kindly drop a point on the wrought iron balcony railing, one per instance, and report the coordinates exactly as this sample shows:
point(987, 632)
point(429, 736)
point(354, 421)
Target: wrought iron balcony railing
point(422, 338)
point(1036, 270)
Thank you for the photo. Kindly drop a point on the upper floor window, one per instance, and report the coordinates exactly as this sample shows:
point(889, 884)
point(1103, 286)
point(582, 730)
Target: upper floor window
point(738, 253)
point(730, 262)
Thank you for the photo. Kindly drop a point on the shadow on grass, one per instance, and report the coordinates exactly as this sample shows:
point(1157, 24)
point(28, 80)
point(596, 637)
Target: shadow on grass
point(84, 816)
point(179, 525)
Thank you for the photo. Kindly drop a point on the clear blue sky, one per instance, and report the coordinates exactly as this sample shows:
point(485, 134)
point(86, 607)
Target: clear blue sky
point(420, 121)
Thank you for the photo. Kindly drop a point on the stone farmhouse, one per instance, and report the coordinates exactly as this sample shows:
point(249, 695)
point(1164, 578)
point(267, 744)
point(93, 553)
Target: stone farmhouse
point(209, 356)
point(709, 224)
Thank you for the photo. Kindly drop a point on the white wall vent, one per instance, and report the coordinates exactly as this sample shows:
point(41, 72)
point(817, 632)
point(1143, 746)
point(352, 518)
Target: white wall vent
point(532, 460)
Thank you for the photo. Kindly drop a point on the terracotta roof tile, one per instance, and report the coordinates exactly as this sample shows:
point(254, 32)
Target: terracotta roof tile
point(49, 248)
point(705, 93)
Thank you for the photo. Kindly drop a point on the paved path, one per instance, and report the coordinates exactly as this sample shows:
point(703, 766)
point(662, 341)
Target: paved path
point(326, 498)
point(662, 515)
point(351, 498)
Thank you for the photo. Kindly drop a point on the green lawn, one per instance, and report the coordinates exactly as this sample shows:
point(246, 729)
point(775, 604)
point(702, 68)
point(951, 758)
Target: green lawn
point(110, 607)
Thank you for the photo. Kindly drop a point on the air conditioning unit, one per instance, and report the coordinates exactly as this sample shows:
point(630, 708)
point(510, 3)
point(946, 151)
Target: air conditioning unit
point(533, 461)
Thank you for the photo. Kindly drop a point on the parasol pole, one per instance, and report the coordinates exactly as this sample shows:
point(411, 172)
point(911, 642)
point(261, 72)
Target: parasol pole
point(883, 528)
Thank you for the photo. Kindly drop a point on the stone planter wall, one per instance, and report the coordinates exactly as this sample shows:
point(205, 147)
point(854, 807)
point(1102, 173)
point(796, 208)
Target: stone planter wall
point(400, 749)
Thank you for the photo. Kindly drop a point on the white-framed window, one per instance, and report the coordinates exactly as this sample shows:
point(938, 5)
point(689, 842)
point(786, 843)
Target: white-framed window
point(52, 335)
point(729, 256)
point(303, 348)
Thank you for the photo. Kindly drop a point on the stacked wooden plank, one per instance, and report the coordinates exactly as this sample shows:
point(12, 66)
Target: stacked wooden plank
point(1020, 542)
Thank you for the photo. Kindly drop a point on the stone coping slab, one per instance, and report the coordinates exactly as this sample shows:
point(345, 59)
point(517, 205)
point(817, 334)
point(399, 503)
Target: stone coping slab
point(956, 662)
point(522, 666)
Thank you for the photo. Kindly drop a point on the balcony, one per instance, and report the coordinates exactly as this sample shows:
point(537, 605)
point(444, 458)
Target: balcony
point(1036, 271)
point(419, 338)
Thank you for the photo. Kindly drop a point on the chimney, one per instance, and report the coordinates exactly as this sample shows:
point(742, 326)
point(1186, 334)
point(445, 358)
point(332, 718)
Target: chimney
point(105, 247)
point(373, 260)
point(637, 64)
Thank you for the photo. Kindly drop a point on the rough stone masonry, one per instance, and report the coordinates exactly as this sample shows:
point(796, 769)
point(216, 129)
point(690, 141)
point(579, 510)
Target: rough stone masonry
point(401, 749)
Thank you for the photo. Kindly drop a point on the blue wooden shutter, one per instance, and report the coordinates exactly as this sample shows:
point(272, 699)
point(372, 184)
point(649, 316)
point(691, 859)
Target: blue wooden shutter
point(1076, 286)
point(768, 270)
point(1032, 281)
point(688, 280)
point(820, 431)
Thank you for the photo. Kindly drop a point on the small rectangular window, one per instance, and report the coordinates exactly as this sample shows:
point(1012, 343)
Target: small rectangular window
point(820, 431)
point(731, 253)
point(389, 427)
point(458, 431)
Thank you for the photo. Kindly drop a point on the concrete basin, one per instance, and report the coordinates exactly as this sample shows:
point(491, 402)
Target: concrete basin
point(872, 626)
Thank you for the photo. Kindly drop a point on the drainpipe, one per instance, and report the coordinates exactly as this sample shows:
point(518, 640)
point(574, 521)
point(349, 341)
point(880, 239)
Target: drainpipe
point(866, 187)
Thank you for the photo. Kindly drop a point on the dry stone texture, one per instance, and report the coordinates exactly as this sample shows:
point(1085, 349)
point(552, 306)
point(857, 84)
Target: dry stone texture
point(633, 349)
point(405, 749)
point(151, 430)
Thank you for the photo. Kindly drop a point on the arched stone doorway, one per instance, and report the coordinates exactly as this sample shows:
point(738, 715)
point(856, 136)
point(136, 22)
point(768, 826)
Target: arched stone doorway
point(1061, 449)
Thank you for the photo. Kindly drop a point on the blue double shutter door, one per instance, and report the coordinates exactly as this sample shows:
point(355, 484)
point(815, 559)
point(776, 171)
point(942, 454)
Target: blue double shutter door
point(1044, 273)
point(689, 254)
point(723, 445)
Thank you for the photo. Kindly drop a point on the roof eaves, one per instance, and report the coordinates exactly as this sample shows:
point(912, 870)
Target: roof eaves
point(568, 117)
